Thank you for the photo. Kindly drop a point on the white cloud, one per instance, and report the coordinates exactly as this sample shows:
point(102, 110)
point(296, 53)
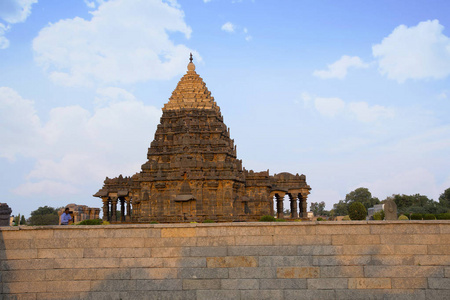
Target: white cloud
point(15, 11)
point(366, 113)
point(442, 95)
point(329, 106)
point(228, 27)
point(75, 147)
point(126, 41)
point(417, 52)
point(248, 38)
point(4, 42)
point(340, 68)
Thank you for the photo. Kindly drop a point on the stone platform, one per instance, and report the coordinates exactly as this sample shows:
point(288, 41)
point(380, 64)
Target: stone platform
point(290, 260)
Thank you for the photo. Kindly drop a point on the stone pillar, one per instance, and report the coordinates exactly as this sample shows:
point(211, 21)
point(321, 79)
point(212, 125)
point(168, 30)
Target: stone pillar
point(293, 199)
point(105, 209)
point(280, 206)
point(113, 209)
point(128, 217)
point(303, 206)
point(122, 209)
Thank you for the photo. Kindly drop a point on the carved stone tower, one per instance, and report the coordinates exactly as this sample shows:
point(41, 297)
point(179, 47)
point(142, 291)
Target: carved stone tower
point(192, 172)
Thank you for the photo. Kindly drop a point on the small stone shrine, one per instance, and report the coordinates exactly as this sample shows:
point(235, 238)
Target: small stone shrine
point(80, 212)
point(390, 210)
point(5, 214)
point(192, 172)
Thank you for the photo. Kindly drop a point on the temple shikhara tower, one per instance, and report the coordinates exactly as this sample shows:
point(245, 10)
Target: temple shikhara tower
point(192, 172)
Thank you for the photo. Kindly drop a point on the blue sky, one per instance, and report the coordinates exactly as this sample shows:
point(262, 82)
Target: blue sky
point(349, 93)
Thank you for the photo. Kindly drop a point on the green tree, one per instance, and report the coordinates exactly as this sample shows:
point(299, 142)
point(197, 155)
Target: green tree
point(340, 208)
point(362, 195)
point(22, 220)
point(357, 211)
point(318, 208)
point(417, 203)
point(444, 199)
point(44, 216)
point(16, 220)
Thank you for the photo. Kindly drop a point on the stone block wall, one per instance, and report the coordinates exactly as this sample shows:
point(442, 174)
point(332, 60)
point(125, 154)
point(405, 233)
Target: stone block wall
point(290, 260)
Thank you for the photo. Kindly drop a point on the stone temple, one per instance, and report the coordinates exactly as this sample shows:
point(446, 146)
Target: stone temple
point(192, 172)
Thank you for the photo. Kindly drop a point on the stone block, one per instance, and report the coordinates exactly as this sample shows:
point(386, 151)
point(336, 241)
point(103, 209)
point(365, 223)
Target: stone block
point(21, 287)
point(120, 243)
point(447, 272)
point(239, 284)
point(218, 294)
point(381, 294)
point(216, 241)
point(249, 240)
point(341, 260)
point(116, 252)
point(76, 233)
point(432, 260)
point(65, 243)
point(18, 254)
point(341, 271)
point(403, 271)
point(111, 274)
point(111, 232)
point(15, 244)
point(231, 261)
point(204, 273)
point(262, 250)
point(410, 249)
point(60, 253)
point(438, 249)
point(27, 264)
point(185, 262)
point(327, 283)
point(282, 284)
point(22, 275)
point(29, 233)
point(301, 240)
point(170, 242)
point(262, 295)
point(367, 249)
point(178, 232)
point(332, 229)
point(157, 295)
point(439, 284)
point(369, 283)
point(300, 229)
point(210, 251)
point(201, 284)
point(386, 229)
point(298, 272)
point(170, 252)
point(355, 239)
point(409, 283)
point(86, 263)
point(444, 228)
point(309, 294)
point(144, 262)
point(392, 260)
point(58, 296)
point(154, 273)
point(319, 250)
point(114, 285)
point(259, 272)
point(159, 285)
point(68, 286)
point(285, 261)
point(436, 294)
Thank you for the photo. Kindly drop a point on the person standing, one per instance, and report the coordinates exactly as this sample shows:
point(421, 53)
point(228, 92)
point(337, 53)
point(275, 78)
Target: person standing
point(65, 217)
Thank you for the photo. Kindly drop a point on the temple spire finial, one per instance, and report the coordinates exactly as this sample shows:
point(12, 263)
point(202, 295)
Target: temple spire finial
point(191, 66)
point(190, 58)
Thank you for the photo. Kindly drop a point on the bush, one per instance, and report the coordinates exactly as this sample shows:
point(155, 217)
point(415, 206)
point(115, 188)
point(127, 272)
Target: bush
point(320, 219)
point(154, 222)
point(106, 223)
point(267, 218)
point(357, 211)
point(208, 221)
point(346, 218)
point(91, 222)
point(444, 216)
point(379, 215)
point(429, 217)
point(416, 216)
point(403, 217)
point(280, 220)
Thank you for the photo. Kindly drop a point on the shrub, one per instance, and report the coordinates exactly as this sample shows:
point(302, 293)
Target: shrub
point(154, 222)
point(357, 211)
point(379, 215)
point(403, 217)
point(320, 219)
point(280, 220)
point(416, 216)
point(106, 223)
point(267, 218)
point(346, 218)
point(429, 217)
point(208, 221)
point(91, 222)
point(444, 216)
